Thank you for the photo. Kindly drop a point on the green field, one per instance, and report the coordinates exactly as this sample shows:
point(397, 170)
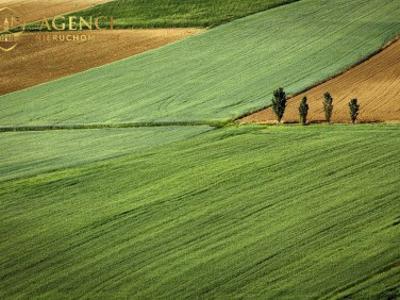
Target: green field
point(52, 150)
point(178, 13)
point(249, 212)
point(221, 74)
point(212, 211)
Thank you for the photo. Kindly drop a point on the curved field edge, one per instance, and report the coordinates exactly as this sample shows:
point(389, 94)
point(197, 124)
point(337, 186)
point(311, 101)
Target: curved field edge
point(268, 213)
point(222, 74)
point(374, 82)
point(43, 57)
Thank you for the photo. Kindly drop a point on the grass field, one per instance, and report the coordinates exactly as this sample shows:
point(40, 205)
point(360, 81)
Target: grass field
point(197, 212)
point(53, 150)
point(250, 212)
point(375, 83)
point(178, 13)
point(221, 74)
point(37, 60)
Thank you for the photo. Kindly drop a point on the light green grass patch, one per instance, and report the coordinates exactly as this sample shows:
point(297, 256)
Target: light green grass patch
point(28, 153)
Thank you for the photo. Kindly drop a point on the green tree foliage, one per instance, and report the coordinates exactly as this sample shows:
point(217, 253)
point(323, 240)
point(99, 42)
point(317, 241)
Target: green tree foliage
point(354, 109)
point(303, 111)
point(328, 106)
point(279, 103)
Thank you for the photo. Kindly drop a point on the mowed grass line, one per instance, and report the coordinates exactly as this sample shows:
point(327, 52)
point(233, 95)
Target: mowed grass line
point(249, 212)
point(221, 74)
point(177, 13)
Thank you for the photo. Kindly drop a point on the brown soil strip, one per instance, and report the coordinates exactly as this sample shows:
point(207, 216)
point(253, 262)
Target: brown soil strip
point(33, 10)
point(37, 61)
point(375, 82)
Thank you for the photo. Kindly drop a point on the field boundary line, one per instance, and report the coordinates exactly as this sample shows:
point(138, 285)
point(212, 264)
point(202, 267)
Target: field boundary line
point(384, 47)
point(215, 124)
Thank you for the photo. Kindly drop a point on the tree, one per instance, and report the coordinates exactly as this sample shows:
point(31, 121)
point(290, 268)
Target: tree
point(354, 109)
point(279, 103)
point(328, 106)
point(303, 111)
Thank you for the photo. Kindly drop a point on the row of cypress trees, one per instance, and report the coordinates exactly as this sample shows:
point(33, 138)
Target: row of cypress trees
point(280, 99)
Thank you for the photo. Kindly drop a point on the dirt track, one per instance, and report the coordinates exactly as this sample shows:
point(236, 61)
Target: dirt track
point(33, 10)
point(376, 84)
point(36, 61)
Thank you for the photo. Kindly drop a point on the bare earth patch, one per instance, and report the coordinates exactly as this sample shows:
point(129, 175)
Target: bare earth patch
point(33, 10)
point(37, 60)
point(376, 84)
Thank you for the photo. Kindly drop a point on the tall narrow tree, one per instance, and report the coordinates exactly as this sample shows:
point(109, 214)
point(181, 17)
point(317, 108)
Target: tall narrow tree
point(354, 110)
point(328, 106)
point(303, 111)
point(279, 103)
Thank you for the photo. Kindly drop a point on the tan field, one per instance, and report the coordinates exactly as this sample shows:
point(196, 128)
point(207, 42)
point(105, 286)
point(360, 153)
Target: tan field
point(375, 83)
point(33, 10)
point(36, 60)
point(41, 57)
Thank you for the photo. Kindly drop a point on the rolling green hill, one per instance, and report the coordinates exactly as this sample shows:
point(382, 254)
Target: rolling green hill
point(249, 212)
point(194, 212)
point(178, 13)
point(222, 74)
point(52, 150)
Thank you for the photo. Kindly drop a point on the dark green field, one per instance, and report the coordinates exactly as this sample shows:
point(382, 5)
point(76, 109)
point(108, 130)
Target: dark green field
point(250, 212)
point(178, 13)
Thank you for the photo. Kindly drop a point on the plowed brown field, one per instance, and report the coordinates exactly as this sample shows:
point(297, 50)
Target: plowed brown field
point(33, 10)
point(36, 60)
point(375, 82)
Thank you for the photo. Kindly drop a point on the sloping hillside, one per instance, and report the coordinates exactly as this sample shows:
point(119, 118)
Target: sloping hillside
point(42, 57)
point(55, 150)
point(193, 212)
point(376, 84)
point(276, 213)
point(221, 74)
